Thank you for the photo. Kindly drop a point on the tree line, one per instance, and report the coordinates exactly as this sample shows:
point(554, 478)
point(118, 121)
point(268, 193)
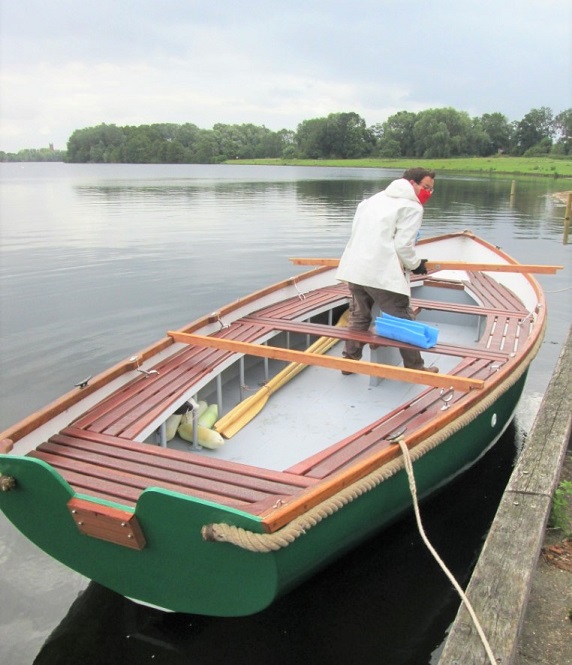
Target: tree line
point(34, 155)
point(430, 134)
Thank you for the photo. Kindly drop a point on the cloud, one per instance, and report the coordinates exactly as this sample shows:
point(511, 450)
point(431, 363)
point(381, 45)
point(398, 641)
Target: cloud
point(67, 65)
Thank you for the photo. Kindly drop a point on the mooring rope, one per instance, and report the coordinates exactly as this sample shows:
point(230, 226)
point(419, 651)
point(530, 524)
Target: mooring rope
point(269, 542)
point(413, 489)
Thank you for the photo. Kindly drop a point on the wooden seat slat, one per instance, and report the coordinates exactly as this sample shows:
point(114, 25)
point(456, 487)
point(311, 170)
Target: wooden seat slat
point(127, 411)
point(460, 308)
point(138, 397)
point(122, 487)
point(322, 330)
point(144, 475)
point(140, 411)
point(300, 306)
point(142, 386)
point(116, 469)
point(205, 464)
point(377, 439)
point(182, 472)
point(87, 484)
point(494, 295)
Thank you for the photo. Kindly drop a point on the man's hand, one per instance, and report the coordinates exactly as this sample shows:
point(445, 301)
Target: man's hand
point(421, 269)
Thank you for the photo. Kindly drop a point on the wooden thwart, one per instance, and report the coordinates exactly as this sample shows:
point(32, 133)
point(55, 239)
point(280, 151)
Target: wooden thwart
point(356, 366)
point(243, 413)
point(447, 265)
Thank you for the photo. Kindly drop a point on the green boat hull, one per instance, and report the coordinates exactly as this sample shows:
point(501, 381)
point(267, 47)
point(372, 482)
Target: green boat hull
point(178, 570)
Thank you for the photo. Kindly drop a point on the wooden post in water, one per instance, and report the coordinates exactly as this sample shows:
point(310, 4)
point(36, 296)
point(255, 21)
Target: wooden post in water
point(512, 190)
point(567, 218)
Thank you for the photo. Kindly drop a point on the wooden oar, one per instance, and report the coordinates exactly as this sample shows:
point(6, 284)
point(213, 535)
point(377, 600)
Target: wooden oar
point(448, 265)
point(243, 413)
point(353, 366)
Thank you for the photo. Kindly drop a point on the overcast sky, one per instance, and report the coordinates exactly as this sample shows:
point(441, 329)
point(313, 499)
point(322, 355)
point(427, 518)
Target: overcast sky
point(69, 64)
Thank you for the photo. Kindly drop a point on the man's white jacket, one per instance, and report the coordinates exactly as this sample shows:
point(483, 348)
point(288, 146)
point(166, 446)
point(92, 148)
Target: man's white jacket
point(381, 248)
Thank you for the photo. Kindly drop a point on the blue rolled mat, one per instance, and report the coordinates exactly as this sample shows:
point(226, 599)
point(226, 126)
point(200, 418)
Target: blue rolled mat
point(403, 330)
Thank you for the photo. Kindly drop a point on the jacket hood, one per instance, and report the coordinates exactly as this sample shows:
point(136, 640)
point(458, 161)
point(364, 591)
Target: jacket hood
point(401, 189)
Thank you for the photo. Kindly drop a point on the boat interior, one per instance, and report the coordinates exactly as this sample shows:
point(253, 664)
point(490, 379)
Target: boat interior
point(312, 426)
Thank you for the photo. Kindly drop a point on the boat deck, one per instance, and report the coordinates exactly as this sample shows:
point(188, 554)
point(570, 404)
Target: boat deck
point(100, 455)
point(116, 469)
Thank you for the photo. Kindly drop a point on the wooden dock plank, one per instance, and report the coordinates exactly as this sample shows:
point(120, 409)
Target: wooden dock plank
point(500, 585)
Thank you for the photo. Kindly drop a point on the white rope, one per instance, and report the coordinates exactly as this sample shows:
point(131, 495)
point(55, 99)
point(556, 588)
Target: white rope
point(413, 488)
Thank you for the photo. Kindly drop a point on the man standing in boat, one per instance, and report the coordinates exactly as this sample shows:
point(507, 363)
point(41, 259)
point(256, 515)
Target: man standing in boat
point(380, 254)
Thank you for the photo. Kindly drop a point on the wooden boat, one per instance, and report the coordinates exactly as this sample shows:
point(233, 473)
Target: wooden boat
point(309, 467)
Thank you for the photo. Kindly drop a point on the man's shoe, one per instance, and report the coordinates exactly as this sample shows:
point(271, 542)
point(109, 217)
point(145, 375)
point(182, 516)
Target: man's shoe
point(345, 371)
point(433, 370)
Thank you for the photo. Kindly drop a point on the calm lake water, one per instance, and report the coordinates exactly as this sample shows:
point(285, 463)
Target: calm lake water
point(98, 261)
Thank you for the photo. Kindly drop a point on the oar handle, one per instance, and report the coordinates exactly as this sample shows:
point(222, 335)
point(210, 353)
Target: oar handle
point(492, 267)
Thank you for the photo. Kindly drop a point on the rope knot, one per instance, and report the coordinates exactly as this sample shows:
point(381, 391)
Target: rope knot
point(7, 483)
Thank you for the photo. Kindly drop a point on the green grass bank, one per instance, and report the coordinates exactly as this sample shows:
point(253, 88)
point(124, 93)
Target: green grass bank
point(498, 165)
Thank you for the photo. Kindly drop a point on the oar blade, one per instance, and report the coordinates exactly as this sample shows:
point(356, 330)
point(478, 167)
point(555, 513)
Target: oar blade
point(249, 408)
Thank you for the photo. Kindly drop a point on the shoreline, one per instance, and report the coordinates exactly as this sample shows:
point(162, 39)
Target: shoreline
point(546, 167)
point(541, 167)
